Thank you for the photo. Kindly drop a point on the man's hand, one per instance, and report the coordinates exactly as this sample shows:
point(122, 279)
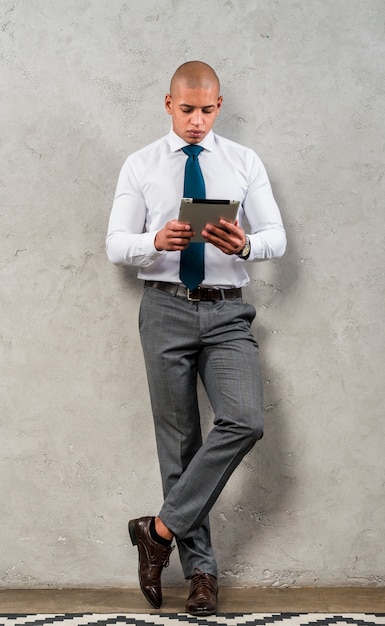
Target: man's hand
point(173, 236)
point(228, 237)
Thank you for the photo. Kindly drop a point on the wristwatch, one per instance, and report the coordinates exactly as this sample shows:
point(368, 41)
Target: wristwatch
point(245, 252)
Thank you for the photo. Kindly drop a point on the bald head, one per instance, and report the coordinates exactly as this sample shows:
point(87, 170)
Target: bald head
point(194, 101)
point(195, 75)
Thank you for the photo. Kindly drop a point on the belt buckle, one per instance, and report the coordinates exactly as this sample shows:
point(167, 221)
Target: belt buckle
point(189, 292)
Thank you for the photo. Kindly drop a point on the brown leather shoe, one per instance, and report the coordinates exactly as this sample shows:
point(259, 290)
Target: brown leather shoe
point(203, 594)
point(153, 557)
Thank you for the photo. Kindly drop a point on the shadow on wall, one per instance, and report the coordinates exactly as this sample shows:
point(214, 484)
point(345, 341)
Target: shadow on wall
point(260, 493)
point(129, 282)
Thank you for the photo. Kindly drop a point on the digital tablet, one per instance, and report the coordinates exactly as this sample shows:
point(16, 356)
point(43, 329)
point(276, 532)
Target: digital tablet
point(198, 213)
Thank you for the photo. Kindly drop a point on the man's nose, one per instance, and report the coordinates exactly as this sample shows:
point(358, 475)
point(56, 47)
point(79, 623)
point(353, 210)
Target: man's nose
point(196, 117)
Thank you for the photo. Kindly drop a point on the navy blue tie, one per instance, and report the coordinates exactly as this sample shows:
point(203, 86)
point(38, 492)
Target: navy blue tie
point(192, 260)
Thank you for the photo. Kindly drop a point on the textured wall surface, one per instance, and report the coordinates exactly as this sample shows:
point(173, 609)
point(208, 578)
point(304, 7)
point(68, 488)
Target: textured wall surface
point(82, 85)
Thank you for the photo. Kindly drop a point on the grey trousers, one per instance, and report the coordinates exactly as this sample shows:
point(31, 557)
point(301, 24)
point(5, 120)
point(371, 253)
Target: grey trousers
point(180, 340)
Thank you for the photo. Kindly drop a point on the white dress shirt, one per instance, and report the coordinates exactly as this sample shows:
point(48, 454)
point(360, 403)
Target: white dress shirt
point(148, 195)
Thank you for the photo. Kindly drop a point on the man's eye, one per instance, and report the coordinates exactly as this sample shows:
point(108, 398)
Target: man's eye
point(186, 110)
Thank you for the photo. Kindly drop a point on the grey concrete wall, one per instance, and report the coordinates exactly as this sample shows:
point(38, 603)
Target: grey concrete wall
point(82, 85)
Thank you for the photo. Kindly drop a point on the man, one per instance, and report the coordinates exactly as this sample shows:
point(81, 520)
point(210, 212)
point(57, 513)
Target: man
point(194, 325)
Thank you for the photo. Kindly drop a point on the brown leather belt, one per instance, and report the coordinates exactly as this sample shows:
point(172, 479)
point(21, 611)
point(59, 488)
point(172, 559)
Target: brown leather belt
point(204, 294)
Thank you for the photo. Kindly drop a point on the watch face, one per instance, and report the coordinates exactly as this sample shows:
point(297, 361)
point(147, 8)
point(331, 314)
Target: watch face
point(245, 250)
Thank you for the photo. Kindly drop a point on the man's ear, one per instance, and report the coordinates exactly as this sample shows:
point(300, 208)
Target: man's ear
point(168, 104)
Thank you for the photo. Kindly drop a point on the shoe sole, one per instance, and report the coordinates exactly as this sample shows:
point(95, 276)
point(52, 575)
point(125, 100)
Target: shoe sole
point(201, 613)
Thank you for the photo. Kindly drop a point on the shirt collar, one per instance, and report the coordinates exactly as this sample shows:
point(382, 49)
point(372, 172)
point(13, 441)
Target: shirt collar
point(177, 143)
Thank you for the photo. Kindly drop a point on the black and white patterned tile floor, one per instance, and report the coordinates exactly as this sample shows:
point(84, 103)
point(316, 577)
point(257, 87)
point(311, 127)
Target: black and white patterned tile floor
point(181, 619)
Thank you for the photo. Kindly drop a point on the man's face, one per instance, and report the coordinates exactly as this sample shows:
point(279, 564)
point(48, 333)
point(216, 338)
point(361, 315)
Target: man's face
point(193, 111)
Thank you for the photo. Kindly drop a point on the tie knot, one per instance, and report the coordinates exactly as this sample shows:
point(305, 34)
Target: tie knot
point(192, 150)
